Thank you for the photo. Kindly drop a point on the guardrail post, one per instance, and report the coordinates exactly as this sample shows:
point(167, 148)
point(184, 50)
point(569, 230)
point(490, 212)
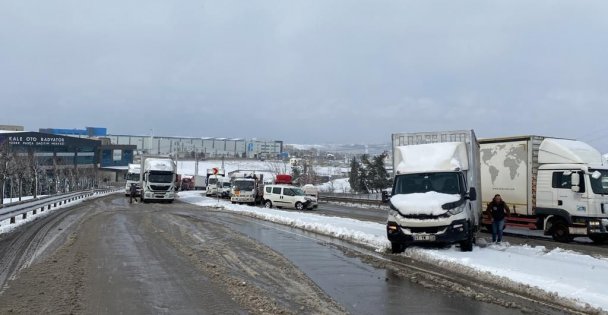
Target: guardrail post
point(12, 220)
point(33, 211)
point(24, 216)
point(42, 209)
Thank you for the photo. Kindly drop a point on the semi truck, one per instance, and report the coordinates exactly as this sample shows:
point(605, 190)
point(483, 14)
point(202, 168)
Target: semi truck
point(559, 186)
point(132, 177)
point(434, 194)
point(158, 179)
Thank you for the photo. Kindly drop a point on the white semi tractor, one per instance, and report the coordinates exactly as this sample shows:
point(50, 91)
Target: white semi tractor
point(158, 179)
point(132, 177)
point(559, 186)
point(434, 195)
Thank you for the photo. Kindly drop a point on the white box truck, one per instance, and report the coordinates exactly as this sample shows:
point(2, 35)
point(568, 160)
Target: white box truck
point(132, 177)
point(434, 195)
point(213, 177)
point(557, 185)
point(158, 179)
point(247, 189)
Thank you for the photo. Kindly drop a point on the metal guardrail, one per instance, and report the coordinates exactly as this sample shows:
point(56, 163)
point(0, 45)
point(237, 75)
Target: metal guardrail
point(350, 199)
point(47, 203)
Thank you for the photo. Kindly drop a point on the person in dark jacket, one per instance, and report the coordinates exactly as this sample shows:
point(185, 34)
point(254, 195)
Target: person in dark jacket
point(498, 211)
point(132, 192)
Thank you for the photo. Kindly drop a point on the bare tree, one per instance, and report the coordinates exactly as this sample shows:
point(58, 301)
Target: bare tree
point(6, 167)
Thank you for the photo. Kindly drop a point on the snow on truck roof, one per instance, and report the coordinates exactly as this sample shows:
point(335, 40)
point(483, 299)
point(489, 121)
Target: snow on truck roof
point(561, 151)
point(432, 157)
point(159, 164)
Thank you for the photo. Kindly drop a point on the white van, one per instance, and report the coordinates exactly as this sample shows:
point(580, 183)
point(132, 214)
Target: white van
point(287, 196)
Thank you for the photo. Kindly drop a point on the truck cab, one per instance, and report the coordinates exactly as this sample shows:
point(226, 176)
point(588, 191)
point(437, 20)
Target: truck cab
point(572, 191)
point(158, 179)
point(434, 195)
point(133, 177)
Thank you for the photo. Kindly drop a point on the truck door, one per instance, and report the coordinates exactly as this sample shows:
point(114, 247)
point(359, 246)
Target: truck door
point(566, 199)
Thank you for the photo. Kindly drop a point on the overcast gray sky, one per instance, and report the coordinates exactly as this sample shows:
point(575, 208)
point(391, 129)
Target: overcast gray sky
point(326, 71)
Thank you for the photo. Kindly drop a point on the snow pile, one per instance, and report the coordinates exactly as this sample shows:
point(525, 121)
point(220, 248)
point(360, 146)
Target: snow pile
point(8, 201)
point(428, 203)
point(565, 273)
point(569, 275)
point(361, 232)
point(446, 156)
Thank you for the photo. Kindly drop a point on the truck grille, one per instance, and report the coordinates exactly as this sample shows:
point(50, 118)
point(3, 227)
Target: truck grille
point(160, 188)
point(424, 216)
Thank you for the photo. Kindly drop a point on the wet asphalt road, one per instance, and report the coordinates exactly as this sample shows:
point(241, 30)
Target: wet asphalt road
point(110, 257)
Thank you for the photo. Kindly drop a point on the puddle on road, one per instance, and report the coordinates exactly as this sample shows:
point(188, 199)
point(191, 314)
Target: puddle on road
point(359, 287)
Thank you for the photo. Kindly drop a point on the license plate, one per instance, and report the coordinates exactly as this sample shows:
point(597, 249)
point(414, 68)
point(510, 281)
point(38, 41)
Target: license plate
point(423, 237)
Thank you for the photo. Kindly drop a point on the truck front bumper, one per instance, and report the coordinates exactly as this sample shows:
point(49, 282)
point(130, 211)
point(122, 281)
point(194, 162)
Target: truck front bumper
point(455, 232)
point(159, 195)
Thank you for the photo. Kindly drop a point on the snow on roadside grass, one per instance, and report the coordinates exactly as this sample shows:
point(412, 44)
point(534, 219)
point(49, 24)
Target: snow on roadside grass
point(567, 274)
point(558, 272)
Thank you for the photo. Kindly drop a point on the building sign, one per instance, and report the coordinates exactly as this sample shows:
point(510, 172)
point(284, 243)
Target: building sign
point(36, 140)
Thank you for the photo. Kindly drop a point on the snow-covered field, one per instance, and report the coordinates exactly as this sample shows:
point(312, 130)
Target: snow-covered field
point(340, 185)
point(270, 167)
point(567, 274)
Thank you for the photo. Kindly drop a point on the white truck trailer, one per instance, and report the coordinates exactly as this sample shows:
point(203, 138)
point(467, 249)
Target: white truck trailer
point(132, 177)
point(557, 185)
point(434, 195)
point(158, 179)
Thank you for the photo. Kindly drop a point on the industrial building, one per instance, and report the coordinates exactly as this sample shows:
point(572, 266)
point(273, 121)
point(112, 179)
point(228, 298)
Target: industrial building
point(203, 147)
point(62, 162)
point(185, 147)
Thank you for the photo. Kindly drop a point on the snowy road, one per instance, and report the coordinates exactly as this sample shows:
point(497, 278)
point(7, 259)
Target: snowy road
point(106, 256)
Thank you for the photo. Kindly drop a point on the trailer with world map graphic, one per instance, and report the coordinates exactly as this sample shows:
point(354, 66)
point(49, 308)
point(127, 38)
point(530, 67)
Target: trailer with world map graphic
point(557, 185)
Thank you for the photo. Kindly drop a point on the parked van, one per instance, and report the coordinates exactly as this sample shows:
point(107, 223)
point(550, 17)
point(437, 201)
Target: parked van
point(287, 196)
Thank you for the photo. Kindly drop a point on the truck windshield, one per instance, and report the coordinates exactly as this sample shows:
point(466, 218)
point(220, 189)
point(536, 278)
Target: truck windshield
point(160, 177)
point(446, 183)
point(212, 181)
point(243, 185)
point(133, 176)
point(226, 185)
point(599, 185)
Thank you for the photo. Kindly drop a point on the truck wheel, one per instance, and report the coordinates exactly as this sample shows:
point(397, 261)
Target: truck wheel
point(397, 248)
point(467, 245)
point(268, 204)
point(299, 206)
point(560, 232)
point(598, 239)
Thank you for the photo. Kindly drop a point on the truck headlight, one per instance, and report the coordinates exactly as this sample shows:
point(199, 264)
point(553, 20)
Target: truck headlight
point(457, 210)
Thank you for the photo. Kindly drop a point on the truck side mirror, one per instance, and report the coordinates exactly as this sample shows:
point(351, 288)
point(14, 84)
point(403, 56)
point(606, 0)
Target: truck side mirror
point(575, 180)
point(472, 194)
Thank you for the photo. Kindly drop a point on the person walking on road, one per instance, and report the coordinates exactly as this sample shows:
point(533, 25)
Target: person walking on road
point(498, 210)
point(132, 192)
